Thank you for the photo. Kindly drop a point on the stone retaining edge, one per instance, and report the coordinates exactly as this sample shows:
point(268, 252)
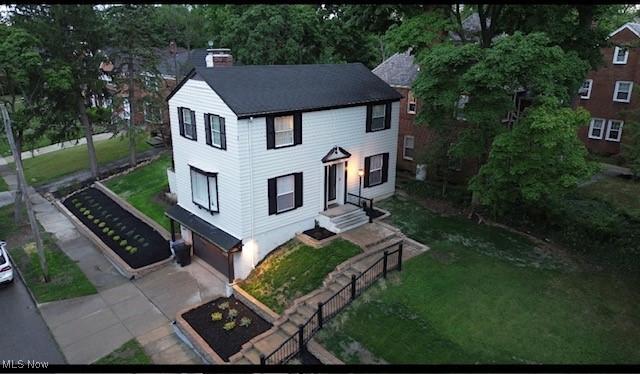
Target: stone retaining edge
point(322, 354)
point(258, 307)
point(133, 210)
point(117, 262)
point(306, 239)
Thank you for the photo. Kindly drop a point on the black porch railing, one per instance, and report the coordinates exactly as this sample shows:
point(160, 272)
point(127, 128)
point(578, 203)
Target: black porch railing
point(296, 344)
point(365, 203)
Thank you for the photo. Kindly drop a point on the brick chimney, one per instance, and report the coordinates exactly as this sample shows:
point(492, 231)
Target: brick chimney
point(217, 57)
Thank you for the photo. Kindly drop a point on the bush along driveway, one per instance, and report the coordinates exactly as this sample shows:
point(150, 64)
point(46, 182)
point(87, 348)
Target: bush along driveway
point(484, 295)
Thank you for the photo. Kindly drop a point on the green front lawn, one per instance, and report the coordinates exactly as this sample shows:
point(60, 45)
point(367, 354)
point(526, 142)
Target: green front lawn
point(66, 280)
point(484, 295)
point(48, 167)
point(130, 353)
point(144, 187)
point(621, 193)
point(294, 270)
point(3, 185)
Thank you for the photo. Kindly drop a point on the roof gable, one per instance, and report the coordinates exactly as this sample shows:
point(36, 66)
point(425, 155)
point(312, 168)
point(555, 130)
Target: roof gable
point(632, 26)
point(398, 70)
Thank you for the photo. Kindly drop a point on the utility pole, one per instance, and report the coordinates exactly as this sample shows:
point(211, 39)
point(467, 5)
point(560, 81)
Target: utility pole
point(23, 186)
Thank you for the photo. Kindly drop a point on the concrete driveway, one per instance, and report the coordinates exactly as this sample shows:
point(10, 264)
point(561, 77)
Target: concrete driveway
point(25, 335)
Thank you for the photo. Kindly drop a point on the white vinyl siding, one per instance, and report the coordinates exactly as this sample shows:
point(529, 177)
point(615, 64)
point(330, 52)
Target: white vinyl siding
point(622, 91)
point(283, 127)
point(596, 128)
point(620, 55)
point(408, 147)
point(377, 117)
point(585, 90)
point(614, 130)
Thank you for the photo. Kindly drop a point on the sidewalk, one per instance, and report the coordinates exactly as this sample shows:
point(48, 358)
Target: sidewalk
point(90, 327)
point(55, 147)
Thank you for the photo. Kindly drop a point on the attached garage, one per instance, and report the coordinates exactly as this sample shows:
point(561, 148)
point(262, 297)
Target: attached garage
point(213, 245)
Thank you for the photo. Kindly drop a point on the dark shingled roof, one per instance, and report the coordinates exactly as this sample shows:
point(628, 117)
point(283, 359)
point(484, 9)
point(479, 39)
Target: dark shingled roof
point(255, 90)
point(398, 70)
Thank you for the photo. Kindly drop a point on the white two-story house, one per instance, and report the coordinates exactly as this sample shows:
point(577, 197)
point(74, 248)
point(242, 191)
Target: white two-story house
point(263, 152)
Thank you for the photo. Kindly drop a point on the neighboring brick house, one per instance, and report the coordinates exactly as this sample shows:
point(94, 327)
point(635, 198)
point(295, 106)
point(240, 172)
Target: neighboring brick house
point(608, 92)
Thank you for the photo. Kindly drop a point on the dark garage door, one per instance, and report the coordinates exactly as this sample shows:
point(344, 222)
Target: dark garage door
point(212, 255)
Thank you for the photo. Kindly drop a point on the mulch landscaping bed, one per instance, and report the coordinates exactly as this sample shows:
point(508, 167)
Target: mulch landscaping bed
point(374, 213)
point(133, 240)
point(319, 233)
point(225, 342)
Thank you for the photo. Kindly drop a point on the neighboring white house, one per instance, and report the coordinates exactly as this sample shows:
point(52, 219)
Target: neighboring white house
point(263, 152)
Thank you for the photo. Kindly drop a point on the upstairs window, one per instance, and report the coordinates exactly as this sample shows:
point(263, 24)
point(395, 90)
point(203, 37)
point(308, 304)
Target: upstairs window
point(411, 103)
point(585, 90)
point(187, 123)
point(620, 55)
point(376, 169)
point(614, 132)
point(378, 117)
point(215, 131)
point(622, 92)
point(284, 131)
point(204, 189)
point(596, 128)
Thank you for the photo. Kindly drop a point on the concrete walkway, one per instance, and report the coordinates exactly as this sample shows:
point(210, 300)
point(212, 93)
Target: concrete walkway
point(90, 327)
point(55, 147)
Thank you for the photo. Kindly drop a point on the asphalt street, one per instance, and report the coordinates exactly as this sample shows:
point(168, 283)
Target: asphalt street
point(23, 333)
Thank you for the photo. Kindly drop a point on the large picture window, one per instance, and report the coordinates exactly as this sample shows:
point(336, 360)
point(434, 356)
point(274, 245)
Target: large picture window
point(204, 189)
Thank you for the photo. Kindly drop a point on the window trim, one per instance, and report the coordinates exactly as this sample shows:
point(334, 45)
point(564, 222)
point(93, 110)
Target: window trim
point(384, 115)
point(615, 56)
point(293, 132)
point(181, 111)
point(609, 131)
point(411, 99)
point(617, 90)
point(590, 132)
point(588, 95)
point(404, 147)
point(293, 192)
point(208, 175)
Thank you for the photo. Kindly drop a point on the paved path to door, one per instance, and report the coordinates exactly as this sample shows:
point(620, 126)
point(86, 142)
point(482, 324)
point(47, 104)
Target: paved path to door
point(90, 327)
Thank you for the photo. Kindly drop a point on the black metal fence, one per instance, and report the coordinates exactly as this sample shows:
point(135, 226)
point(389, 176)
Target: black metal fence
point(362, 202)
point(296, 344)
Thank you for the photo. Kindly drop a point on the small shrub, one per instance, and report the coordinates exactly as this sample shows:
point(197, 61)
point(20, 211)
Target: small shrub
point(74, 200)
point(77, 205)
point(128, 248)
point(105, 230)
point(140, 240)
point(123, 243)
point(90, 216)
point(245, 321)
point(223, 306)
point(96, 221)
point(86, 212)
point(216, 316)
point(233, 313)
point(102, 224)
point(229, 325)
point(133, 250)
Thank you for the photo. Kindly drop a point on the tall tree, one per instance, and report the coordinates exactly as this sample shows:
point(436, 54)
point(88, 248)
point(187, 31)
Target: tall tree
point(71, 37)
point(130, 32)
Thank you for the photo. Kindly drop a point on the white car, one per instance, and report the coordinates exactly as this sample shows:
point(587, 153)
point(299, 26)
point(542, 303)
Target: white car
point(6, 270)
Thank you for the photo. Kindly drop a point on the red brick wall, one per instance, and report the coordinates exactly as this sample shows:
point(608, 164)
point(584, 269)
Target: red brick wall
point(601, 104)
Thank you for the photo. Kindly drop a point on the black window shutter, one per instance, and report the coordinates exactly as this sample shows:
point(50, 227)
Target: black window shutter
point(387, 116)
point(297, 128)
point(271, 134)
point(369, 111)
point(180, 121)
point(367, 166)
point(193, 124)
point(223, 134)
point(207, 128)
point(298, 189)
point(385, 167)
point(271, 192)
